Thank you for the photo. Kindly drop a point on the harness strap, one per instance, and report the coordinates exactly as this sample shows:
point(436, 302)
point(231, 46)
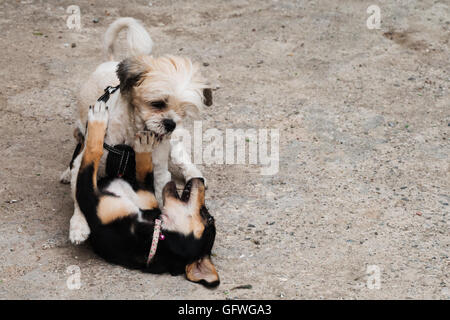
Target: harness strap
point(108, 91)
point(124, 157)
point(112, 149)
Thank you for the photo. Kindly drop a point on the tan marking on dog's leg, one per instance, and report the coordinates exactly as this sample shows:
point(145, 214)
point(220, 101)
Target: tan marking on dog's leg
point(197, 226)
point(112, 208)
point(144, 165)
point(93, 151)
point(147, 200)
point(197, 200)
point(94, 144)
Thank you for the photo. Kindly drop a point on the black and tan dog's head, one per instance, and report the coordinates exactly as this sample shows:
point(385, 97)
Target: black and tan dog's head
point(190, 230)
point(163, 91)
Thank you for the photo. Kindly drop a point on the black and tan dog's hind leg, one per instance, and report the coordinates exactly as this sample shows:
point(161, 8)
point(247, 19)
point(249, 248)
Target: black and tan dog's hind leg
point(86, 192)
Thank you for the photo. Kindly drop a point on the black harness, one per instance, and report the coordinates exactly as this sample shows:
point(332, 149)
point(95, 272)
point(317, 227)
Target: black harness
point(108, 91)
point(120, 160)
point(119, 156)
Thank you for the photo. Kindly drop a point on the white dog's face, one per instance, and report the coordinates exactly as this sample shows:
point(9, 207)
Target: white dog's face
point(163, 91)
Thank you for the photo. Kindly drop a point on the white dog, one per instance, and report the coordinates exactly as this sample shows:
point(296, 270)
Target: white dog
point(143, 93)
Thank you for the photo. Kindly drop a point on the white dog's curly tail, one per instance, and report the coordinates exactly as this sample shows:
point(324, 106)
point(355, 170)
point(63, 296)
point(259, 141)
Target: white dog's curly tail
point(139, 41)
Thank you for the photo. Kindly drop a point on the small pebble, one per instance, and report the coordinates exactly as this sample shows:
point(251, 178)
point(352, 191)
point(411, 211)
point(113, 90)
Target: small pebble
point(73, 45)
point(251, 225)
point(95, 20)
point(205, 64)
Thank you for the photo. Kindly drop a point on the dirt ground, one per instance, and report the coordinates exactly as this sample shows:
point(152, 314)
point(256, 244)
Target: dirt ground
point(364, 120)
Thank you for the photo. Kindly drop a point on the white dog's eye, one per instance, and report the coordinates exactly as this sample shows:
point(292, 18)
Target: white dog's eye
point(158, 104)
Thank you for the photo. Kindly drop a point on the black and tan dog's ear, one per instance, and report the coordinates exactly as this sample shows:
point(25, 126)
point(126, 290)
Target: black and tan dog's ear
point(170, 192)
point(194, 192)
point(130, 72)
point(207, 97)
point(203, 272)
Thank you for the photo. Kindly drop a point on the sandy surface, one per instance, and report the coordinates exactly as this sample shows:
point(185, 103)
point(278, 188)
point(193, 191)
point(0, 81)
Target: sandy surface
point(364, 119)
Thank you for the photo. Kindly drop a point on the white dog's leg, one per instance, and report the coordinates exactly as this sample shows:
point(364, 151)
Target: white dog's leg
point(79, 229)
point(65, 176)
point(182, 160)
point(161, 174)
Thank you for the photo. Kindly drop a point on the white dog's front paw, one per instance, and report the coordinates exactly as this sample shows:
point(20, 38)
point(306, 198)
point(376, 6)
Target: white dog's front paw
point(145, 142)
point(79, 229)
point(98, 113)
point(198, 176)
point(66, 176)
point(194, 173)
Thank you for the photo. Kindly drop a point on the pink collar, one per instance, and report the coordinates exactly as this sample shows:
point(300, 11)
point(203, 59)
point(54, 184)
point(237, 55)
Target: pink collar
point(156, 237)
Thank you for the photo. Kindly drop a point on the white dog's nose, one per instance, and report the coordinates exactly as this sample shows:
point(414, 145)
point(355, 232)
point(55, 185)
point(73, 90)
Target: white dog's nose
point(169, 125)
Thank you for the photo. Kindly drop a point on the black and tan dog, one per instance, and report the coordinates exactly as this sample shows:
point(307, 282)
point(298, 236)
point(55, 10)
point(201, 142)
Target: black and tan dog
point(127, 227)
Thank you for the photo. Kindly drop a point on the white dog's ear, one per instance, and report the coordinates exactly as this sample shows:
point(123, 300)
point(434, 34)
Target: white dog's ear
point(130, 72)
point(192, 111)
